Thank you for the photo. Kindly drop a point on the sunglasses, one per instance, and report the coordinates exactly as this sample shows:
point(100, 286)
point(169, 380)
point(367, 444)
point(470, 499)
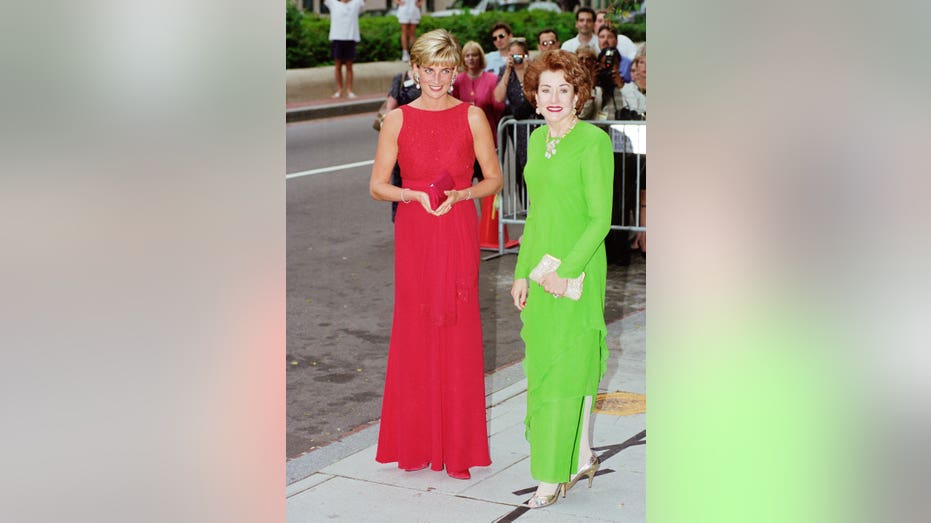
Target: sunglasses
point(548, 42)
point(499, 37)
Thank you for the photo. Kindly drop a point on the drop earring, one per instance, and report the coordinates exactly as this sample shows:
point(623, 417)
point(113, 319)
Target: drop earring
point(417, 80)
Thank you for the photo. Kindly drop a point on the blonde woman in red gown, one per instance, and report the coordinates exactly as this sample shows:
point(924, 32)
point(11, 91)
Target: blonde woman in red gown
point(433, 410)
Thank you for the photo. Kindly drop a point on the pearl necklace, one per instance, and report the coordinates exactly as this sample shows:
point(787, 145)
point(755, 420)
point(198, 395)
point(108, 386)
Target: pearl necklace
point(552, 141)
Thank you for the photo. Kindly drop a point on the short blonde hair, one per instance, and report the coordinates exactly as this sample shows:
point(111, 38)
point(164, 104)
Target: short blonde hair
point(437, 47)
point(641, 52)
point(472, 45)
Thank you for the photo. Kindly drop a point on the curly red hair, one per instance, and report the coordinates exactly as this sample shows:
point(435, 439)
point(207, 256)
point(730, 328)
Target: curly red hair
point(572, 69)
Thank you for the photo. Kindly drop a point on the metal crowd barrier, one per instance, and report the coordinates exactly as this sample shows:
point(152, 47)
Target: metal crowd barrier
point(629, 139)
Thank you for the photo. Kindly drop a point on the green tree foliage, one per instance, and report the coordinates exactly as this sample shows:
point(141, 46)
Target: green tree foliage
point(308, 43)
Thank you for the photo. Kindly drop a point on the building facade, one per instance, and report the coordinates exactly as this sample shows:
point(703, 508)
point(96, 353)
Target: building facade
point(317, 6)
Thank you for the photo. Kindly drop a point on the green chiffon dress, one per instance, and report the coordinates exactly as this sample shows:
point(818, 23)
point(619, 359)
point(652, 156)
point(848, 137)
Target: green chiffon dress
point(569, 216)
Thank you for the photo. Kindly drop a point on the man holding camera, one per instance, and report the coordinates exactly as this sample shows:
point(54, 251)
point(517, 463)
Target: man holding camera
point(608, 84)
point(607, 38)
point(511, 79)
point(510, 90)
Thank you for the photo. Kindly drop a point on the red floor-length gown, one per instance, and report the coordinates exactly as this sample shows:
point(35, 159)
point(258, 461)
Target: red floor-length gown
point(433, 409)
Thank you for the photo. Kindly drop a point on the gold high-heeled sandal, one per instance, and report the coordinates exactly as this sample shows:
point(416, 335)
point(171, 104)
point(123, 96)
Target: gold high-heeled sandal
point(536, 501)
point(588, 470)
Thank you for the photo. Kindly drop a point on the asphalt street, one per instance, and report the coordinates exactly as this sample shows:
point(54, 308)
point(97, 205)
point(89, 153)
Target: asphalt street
point(340, 286)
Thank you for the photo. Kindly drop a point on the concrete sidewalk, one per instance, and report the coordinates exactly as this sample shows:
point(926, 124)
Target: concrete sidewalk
point(343, 480)
point(309, 91)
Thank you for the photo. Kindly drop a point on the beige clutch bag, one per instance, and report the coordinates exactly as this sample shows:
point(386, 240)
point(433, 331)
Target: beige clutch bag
point(549, 264)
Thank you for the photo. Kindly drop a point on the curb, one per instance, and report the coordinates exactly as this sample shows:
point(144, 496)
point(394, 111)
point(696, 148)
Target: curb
point(299, 114)
point(501, 385)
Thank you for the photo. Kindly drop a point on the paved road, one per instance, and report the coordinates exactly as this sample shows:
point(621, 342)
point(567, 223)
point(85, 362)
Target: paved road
point(340, 288)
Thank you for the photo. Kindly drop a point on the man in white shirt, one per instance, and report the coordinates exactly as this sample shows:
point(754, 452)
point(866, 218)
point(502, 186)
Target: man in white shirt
point(626, 47)
point(501, 37)
point(585, 23)
point(344, 34)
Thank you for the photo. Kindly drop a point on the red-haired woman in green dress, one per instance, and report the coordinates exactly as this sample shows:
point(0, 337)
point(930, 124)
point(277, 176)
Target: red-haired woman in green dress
point(569, 176)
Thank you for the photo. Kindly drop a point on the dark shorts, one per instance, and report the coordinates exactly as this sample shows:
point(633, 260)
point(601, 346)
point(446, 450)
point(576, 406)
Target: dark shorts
point(344, 50)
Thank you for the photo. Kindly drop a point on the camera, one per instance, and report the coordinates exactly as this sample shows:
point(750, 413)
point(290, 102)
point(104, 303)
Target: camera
point(518, 58)
point(610, 55)
point(625, 113)
point(608, 59)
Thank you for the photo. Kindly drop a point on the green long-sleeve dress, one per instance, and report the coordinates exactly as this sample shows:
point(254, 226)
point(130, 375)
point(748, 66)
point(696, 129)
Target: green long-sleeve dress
point(565, 349)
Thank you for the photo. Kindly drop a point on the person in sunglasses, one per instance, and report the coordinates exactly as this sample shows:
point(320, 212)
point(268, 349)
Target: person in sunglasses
point(500, 36)
point(547, 40)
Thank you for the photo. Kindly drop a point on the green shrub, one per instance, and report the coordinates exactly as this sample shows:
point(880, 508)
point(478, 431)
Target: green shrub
point(381, 39)
point(295, 44)
point(308, 43)
point(307, 39)
point(636, 31)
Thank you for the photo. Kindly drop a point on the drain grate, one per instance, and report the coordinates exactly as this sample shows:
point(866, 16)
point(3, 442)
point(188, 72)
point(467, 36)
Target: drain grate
point(620, 403)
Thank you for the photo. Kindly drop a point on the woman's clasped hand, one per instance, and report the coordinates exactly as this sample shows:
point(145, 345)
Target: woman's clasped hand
point(555, 285)
point(552, 284)
point(452, 197)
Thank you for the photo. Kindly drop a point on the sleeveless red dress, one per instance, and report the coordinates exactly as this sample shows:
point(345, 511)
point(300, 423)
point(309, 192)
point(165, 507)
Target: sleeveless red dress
point(433, 410)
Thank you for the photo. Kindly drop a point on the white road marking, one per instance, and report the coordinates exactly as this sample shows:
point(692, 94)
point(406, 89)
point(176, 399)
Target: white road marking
point(329, 169)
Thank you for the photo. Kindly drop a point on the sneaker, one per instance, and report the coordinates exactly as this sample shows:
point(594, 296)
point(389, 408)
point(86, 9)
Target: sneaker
point(405, 57)
point(336, 94)
point(351, 94)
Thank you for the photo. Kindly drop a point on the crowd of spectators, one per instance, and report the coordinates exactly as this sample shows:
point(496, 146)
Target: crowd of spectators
point(494, 82)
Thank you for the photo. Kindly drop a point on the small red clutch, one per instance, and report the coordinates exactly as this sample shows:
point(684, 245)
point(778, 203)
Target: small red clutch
point(443, 182)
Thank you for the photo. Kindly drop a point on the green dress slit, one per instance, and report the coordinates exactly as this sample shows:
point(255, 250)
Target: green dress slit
point(565, 341)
